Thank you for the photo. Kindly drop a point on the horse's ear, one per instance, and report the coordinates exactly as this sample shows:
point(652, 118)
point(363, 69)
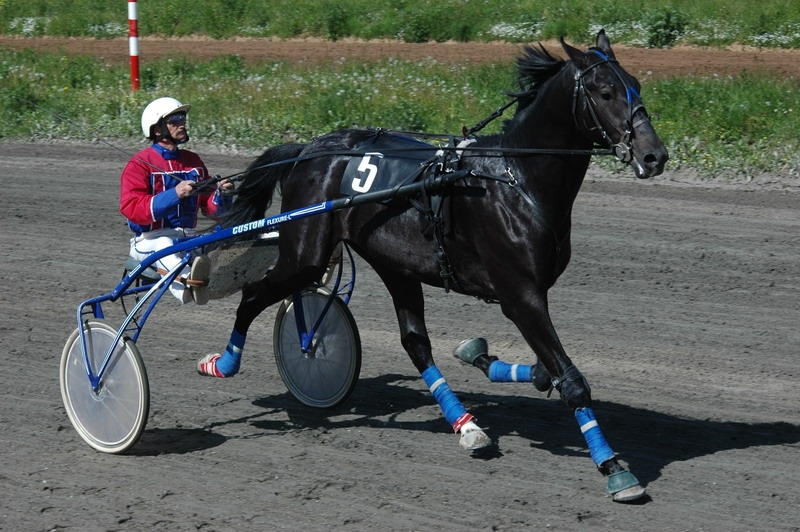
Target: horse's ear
point(584, 60)
point(575, 55)
point(604, 45)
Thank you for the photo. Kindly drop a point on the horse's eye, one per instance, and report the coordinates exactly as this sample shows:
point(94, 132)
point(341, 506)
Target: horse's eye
point(606, 95)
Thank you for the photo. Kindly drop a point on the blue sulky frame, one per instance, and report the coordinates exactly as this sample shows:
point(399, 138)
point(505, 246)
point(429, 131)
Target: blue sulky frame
point(136, 318)
point(134, 326)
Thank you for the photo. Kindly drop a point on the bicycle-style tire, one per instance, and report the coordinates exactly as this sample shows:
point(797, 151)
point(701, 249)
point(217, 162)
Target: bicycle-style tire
point(325, 377)
point(112, 418)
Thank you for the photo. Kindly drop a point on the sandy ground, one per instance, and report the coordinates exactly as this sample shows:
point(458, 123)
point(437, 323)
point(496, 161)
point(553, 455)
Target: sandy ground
point(680, 306)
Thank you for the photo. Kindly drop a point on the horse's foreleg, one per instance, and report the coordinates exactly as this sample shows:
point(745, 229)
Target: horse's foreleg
point(622, 485)
point(531, 316)
point(535, 324)
point(410, 307)
point(475, 351)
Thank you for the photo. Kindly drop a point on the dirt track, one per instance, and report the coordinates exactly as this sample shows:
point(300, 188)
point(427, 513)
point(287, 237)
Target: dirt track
point(681, 307)
point(641, 62)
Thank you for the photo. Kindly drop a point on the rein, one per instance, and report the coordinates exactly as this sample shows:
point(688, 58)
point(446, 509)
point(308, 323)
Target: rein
point(97, 138)
point(479, 151)
point(622, 151)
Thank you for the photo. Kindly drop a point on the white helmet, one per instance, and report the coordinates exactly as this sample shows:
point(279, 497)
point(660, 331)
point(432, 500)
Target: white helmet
point(158, 109)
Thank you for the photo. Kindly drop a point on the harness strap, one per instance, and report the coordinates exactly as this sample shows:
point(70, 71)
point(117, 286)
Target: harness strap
point(431, 205)
point(571, 374)
point(446, 270)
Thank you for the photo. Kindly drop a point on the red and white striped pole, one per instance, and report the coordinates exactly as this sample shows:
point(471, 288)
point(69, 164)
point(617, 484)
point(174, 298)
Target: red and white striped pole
point(133, 43)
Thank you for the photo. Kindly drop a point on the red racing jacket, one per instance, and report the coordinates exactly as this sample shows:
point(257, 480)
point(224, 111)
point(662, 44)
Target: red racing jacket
point(147, 190)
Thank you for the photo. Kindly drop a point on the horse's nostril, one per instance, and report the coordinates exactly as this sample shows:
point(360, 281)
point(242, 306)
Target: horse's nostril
point(655, 159)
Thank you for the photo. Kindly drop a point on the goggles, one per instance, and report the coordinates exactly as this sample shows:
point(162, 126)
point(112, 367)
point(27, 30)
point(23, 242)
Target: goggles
point(176, 120)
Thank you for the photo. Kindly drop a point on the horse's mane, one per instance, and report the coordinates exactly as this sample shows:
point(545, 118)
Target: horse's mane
point(535, 65)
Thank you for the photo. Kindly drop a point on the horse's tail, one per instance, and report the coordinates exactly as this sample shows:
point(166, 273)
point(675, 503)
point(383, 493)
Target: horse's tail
point(259, 181)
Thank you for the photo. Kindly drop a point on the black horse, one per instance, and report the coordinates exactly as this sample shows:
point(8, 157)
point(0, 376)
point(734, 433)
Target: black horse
point(503, 235)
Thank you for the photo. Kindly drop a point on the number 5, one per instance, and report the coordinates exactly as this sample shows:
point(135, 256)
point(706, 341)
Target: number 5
point(371, 170)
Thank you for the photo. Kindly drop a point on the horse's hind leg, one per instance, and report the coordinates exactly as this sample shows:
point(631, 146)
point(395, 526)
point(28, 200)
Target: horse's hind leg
point(410, 307)
point(256, 297)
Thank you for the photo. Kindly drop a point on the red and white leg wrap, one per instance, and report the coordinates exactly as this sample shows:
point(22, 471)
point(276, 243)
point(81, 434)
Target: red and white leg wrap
point(461, 421)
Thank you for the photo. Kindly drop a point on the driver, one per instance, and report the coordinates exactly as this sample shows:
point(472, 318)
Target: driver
point(156, 196)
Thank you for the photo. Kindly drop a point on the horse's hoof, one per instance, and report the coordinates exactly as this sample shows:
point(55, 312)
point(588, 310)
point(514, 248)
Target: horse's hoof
point(624, 487)
point(468, 350)
point(629, 495)
point(473, 438)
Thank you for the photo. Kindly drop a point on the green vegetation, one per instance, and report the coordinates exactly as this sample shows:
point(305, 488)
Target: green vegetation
point(743, 124)
point(740, 124)
point(771, 23)
point(247, 105)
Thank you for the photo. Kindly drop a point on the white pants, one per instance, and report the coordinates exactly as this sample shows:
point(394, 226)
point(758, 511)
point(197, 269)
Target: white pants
point(147, 243)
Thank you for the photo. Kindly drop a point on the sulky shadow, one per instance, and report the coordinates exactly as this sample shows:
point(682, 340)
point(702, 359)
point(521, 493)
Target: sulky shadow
point(175, 441)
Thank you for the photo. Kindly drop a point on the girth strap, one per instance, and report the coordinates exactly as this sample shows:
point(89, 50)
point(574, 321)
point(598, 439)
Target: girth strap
point(431, 207)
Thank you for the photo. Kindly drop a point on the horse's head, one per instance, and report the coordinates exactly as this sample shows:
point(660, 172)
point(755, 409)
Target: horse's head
point(608, 108)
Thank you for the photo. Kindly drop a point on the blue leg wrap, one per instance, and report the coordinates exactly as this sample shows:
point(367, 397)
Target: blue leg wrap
point(598, 447)
point(500, 371)
point(228, 363)
point(451, 407)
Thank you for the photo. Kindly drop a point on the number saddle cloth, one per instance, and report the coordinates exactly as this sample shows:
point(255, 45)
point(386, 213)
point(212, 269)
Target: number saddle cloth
point(384, 161)
point(391, 160)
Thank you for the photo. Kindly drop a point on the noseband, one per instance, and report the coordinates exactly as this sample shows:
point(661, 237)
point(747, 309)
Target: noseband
point(623, 150)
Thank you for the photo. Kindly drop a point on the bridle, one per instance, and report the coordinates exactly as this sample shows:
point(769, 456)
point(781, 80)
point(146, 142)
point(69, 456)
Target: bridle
point(623, 150)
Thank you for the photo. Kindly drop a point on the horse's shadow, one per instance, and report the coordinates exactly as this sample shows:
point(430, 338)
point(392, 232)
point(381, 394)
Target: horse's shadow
point(649, 440)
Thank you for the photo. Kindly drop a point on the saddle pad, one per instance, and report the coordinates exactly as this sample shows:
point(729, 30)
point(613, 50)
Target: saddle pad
point(234, 265)
point(389, 160)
